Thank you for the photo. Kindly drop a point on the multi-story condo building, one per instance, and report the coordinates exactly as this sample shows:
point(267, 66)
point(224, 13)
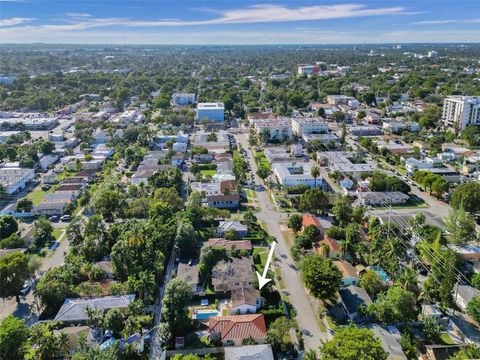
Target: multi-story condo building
point(461, 111)
point(211, 111)
point(342, 100)
point(276, 129)
point(183, 98)
point(308, 125)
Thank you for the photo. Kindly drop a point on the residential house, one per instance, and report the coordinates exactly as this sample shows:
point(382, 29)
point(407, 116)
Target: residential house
point(309, 219)
point(241, 230)
point(229, 201)
point(233, 273)
point(330, 248)
point(441, 352)
point(232, 330)
point(73, 310)
point(249, 352)
point(349, 273)
point(465, 293)
point(190, 273)
point(48, 160)
point(244, 301)
point(74, 333)
point(352, 297)
point(390, 337)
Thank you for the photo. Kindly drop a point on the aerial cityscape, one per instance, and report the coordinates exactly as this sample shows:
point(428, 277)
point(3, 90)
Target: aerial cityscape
point(203, 180)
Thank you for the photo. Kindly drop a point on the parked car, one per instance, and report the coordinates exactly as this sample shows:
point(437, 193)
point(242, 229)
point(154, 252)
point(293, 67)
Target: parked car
point(54, 218)
point(66, 218)
point(46, 187)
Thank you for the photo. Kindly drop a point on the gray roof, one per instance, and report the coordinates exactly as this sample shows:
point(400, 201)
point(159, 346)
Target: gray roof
point(354, 296)
point(390, 338)
point(74, 309)
point(231, 225)
point(467, 292)
point(250, 352)
point(233, 270)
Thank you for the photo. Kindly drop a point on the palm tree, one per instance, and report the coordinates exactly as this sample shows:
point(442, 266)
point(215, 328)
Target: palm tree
point(94, 317)
point(146, 284)
point(82, 340)
point(63, 342)
point(315, 172)
point(325, 249)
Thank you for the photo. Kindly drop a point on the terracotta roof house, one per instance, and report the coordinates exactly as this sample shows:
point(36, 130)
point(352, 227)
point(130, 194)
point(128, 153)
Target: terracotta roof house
point(349, 273)
point(330, 248)
point(229, 244)
point(73, 310)
point(231, 330)
point(309, 219)
point(232, 274)
point(245, 300)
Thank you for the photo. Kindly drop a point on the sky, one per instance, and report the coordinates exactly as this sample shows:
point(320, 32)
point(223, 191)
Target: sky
point(239, 22)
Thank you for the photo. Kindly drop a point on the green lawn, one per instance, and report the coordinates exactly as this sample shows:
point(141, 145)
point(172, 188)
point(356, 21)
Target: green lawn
point(261, 160)
point(56, 233)
point(38, 194)
point(260, 256)
point(208, 172)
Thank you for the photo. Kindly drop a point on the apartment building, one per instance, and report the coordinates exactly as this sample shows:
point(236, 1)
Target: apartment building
point(308, 125)
point(277, 129)
point(211, 111)
point(461, 111)
point(183, 98)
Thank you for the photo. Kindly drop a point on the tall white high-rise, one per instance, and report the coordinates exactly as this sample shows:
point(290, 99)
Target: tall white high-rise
point(461, 111)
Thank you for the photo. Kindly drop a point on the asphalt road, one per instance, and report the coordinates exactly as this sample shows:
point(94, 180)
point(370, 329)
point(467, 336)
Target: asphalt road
point(298, 298)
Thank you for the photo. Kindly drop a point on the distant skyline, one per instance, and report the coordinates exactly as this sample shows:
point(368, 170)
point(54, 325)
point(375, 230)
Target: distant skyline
point(239, 22)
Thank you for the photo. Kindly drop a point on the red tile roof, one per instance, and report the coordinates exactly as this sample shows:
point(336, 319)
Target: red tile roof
point(332, 244)
point(311, 220)
point(238, 326)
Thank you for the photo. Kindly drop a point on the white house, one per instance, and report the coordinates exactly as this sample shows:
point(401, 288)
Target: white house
point(45, 162)
point(291, 174)
point(245, 301)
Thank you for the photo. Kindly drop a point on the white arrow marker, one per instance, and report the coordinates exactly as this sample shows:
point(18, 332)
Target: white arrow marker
point(262, 279)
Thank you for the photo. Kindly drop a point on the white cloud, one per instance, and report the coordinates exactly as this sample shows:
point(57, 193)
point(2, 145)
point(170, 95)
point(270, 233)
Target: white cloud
point(252, 14)
point(78, 15)
point(447, 21)
point(14, 21)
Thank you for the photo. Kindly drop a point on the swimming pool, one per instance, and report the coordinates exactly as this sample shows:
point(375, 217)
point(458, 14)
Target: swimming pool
point(383, 275)
point(204, 314)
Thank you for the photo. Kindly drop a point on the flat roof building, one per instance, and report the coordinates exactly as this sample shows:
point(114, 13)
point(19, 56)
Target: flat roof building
point(211, 111)
point(292, 174)
point(308, 125)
